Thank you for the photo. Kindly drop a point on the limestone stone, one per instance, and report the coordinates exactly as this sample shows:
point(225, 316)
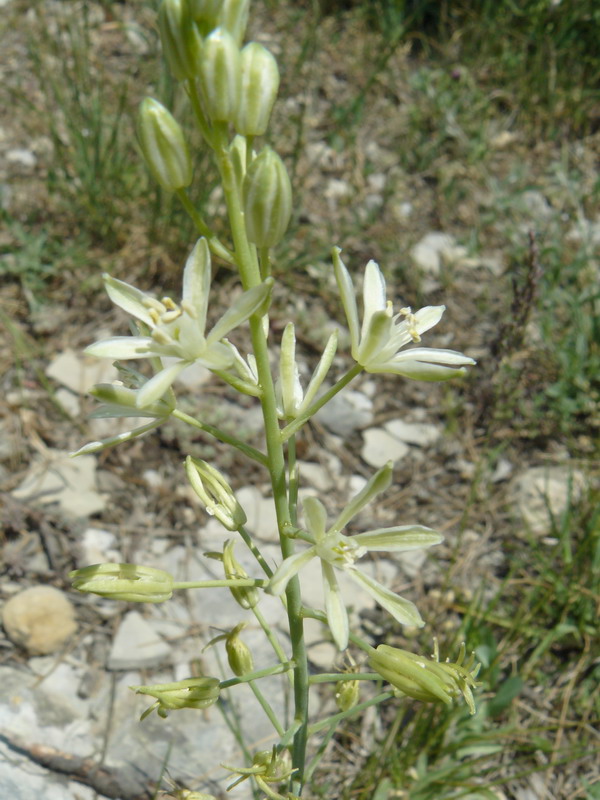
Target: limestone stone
point(40, 619)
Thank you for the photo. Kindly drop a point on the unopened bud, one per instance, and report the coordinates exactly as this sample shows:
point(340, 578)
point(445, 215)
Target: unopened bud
point(260, 82)
point(205, 13)
point(130, 582)
point(191, 693)
point(233, 16)
point(220, 75)
point(245, 596)
point(267, 199)
point(216, 494)
point(180, 37)
point(347, 694)
point(238, 150)
point(238, 653)
point(121, 401)
point(164, 146)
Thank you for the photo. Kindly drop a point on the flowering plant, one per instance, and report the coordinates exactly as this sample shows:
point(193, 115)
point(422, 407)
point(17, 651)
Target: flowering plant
point(232, 90)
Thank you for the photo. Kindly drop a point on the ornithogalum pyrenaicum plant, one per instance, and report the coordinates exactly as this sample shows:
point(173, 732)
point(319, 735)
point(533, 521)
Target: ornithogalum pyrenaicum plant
point(231, 86)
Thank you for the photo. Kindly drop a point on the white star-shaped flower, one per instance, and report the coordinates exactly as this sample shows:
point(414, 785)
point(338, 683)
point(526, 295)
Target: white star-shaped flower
point(337, 551)
point(377, 344)
point(176, 330)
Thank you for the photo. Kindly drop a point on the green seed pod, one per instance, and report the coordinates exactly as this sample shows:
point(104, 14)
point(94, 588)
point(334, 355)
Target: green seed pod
point(180, 37)
point(131, 582)
point(267, 199)
point(260, 82)
point(347, 694)
point(220, 76)
point(245, 596)
point(238, 653)
point(233, 16)
point(164, 146)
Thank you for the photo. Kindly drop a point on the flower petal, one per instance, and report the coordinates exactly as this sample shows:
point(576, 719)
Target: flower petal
point(375, 339)
point(289, 378)
point(403, 537)
point(320, 372)
point(128, 298)
point(344, 282)
point(94, 447)
point(402, 610)
point(424, 364)
point(243, 308)
point(154, 389)
point(377, 484)
point(337, 616)
point(121, 347)
point(316, 517)
point(374, 298)
point(196, 282)
point(287, 569)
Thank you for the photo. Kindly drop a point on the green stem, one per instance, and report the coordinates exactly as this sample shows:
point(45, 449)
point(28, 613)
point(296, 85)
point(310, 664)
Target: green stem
point(251, 276)
point(216, 246)
point(266, 708)
point(227, 582)
point(336, 718)
point(295, 426)
point(222, 436)
point(337, 677)
point(257, 674)
point(255, 551)
point(277, 648)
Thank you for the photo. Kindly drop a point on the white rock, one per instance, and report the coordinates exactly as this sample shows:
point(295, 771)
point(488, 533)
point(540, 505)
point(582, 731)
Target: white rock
point(418, 433)
point(40, 619)
point(346, 412)
point(19, 155)
point(68, 401)
point(78, 372)
point(543, 494)
point(136, 645)
point(55, 477)
point(411, 561)
point(380, 446)
point(262, 519)
point(316, 475)
point(97, 547)
point(430, 251)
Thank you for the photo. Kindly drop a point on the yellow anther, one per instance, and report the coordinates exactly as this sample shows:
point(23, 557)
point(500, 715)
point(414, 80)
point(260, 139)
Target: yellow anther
point(154, 316)
point(411, 323)
point(153, 303)
point(168, 303)
point(188, 309)
point(169, 316)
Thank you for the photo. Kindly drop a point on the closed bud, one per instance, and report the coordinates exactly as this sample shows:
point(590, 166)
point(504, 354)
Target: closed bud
point(245, 596)
point(164, 146)
point(205, 13)
point(130, 582)
point(191, 693)
point(216, 494)
point(267, 199)
point(260, 82)
point(220, 76)
point(121, 401)
point(238, 653)
point(233, 16)
point(180, 38)
point(238, 150)
point(347, 694)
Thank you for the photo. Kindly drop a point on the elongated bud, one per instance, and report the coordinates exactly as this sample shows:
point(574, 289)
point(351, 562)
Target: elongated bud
point(191, 693)
point(164, 146)
point(233, 16)
point(238, 653)
point(238, 150)
point(260, 82)
point(220, 76)
point(180, 38)
point(120, 401)
point(347, 694)
point(136, 584)
point(267, 199)
point(205, 13)
point(426, 679)
point(216, 494)
point(245, 596)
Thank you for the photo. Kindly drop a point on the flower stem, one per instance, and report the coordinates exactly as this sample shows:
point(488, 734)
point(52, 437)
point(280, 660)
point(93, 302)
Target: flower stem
point(222, 436)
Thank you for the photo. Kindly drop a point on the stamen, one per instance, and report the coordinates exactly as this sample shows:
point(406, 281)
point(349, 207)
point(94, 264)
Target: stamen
point(154, 316)
point(169, 316)
point(411, 323)
point(168, 303)
point(152, 303)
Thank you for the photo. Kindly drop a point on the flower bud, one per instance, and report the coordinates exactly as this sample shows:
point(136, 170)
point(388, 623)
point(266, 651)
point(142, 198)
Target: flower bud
point(180, 37)
point(267, 199)
point(233, 16)
point(164, 146)
point(216, 494)
point(347, 694)
point(238, 653)
point(425, 679)
point(245, 596)
point(238, 150)
point(220, 76)
point(120, 401)
point(260, 82)
point(191, 693)
point(130, 582)
point(205, 13)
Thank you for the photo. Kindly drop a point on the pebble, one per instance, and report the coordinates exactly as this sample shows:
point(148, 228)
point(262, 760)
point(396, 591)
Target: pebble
point(422, 434)
point(79, 373)
point(434, 250)
point(346, 413)
point(40, 619)
point(136, 645)
point(543, 494)
point(379, 447)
